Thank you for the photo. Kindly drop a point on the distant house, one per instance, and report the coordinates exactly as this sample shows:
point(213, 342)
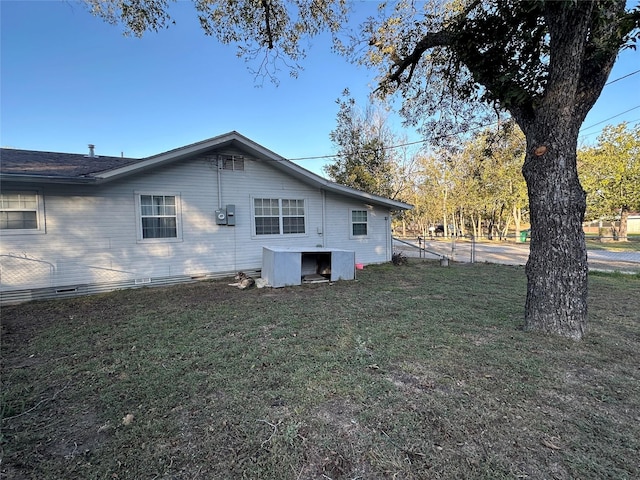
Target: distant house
point(72, 224)
point(633, 223)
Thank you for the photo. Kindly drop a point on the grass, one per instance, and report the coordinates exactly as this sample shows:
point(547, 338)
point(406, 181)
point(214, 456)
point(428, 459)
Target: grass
point(409, 372)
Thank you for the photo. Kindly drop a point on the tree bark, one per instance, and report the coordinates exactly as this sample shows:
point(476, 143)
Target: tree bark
point(557, 267)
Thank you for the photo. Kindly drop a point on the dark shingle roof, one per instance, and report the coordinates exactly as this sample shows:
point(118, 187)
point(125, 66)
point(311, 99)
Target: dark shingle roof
point(22, 166)
point(52, 164)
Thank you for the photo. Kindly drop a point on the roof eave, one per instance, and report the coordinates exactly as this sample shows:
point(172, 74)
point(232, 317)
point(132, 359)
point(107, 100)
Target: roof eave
point(177, 154)
point(25, 178)
point(328, 185)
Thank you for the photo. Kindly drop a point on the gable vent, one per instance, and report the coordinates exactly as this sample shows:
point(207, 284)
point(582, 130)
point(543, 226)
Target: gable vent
point(232, 162)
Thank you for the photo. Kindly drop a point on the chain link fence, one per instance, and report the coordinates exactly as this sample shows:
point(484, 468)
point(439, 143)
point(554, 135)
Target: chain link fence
point(468, 250)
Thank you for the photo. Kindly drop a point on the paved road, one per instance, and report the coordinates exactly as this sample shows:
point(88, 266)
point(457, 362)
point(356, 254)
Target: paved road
point(513, 254)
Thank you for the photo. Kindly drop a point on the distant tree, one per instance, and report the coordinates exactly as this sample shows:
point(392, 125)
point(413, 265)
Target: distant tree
point(543, 61)
point(435, 185)
point(494, 160)
point(610, 173)
point(364, 158)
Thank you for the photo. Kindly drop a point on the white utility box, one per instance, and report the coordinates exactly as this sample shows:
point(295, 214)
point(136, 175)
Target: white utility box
point(282, 266)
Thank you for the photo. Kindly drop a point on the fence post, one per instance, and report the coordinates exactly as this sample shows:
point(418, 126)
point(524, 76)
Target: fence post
point(473, 248)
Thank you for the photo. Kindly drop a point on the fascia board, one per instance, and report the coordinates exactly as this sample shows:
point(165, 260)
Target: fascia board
point(321, 182)
point(20, 178)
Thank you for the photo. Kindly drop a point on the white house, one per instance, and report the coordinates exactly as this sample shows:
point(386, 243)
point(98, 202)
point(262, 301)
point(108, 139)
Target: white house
point(72, 224)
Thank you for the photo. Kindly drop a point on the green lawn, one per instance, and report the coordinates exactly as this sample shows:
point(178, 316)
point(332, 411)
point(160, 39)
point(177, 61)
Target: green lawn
point(409, 372)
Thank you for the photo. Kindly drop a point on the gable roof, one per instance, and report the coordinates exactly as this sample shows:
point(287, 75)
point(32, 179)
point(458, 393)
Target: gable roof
point(68, 168)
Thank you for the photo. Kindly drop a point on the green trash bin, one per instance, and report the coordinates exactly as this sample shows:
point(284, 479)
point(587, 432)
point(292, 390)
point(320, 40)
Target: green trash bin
point(523, 235)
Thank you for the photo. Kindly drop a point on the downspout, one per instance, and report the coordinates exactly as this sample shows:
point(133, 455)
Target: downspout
point(388, 235)
point(219, 182)
point(324, 217)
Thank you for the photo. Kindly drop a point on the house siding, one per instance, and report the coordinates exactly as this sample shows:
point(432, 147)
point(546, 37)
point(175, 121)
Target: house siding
point(91, 235)
point(375, 247)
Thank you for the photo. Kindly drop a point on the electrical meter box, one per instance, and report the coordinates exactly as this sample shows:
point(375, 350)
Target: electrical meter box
point(226, 216)
point(231, 215)
point(221, 216)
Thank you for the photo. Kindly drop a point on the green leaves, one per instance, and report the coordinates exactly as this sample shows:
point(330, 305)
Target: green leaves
point(365, 160)
point(610, 172)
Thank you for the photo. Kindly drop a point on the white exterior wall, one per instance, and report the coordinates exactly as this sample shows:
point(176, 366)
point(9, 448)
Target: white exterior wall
point(92, 231)
point(375, 247)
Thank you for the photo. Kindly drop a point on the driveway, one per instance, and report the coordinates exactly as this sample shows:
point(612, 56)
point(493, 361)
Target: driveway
point(511, 254)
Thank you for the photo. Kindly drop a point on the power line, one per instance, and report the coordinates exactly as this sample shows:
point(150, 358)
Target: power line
point(631, 124)
point(323, 157)
point(620, 78)
point(606, 120)
point(391, 147)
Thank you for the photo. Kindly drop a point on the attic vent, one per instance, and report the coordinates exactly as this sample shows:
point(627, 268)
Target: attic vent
point(232, 162)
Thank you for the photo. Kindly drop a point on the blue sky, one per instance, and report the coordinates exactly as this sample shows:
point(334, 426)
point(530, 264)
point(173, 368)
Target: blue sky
point(69, 79)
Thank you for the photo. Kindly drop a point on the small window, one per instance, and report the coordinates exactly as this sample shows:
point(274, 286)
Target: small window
point(274, 216)
point(159, 217)
point(20, 212)
point(359, 223)
point(232, 162)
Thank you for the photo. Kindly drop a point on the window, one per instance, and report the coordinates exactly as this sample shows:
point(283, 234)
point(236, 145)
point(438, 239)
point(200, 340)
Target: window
point(358, 223)
point(20, 212)
point(292, 216)
point(232, 162)
point(275, 216)
point(159, 217)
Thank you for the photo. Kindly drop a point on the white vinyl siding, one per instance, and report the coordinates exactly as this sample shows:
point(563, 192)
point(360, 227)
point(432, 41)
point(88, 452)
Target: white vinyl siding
point(275, 216)
point(21, 213)
point(158, 217)
point(94, 232)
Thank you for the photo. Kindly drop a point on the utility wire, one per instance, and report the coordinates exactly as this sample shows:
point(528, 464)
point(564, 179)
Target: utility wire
point(620, 78)
point(631, 124)
point(606, 120)
point(391, 147)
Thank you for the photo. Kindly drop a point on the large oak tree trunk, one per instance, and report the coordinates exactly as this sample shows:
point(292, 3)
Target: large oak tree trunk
point(557, 266)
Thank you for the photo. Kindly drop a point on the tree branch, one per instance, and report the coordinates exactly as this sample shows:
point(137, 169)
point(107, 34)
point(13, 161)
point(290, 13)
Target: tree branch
point(266, 4)
point(430, 40)
point(440, 38)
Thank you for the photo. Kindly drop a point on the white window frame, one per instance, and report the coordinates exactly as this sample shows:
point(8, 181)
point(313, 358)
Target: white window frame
point(352, 223)
point(139, 216)
point(40, 215)
point(280, 233)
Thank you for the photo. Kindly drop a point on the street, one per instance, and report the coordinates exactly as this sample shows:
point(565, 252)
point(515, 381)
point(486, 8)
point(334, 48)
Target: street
point(509, 253)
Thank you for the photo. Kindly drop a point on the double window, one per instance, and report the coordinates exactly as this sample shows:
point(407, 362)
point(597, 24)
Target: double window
point(21, 212)
point(278, 216)
point(159, 217)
